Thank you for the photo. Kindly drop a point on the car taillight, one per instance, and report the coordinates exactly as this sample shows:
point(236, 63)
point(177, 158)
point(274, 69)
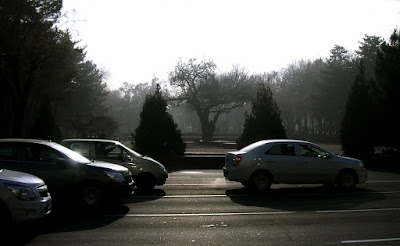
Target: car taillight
point(236, 160)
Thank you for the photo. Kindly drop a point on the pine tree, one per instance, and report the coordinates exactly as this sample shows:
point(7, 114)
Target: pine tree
point(264, 122)
point(387, 76)
point(157, 135)
point(358, 126)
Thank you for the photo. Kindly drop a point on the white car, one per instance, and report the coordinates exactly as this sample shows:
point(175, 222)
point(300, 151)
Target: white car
point(146, 172)
point(23, 197)
point(292, 162)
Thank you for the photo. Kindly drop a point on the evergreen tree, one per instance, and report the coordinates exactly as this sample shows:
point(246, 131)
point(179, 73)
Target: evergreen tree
point(264, 122)
point(334, 87)
point(387, 76)
point(157, 135)
point(358, 127)
point(368, 51)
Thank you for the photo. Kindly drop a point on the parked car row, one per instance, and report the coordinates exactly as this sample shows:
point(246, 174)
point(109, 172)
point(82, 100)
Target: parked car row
point(31, 170)
point(112, 171)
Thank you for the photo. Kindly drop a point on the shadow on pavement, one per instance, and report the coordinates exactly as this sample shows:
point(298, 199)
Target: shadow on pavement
point(304, 198)
point(64, 217)
point(144, 196)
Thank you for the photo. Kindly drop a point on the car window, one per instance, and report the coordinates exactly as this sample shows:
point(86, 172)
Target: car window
point(130, 151)
point(253, 146)
point(81, 148)
point(311, 151)
point(75, 156)
point(107, 151)
point(282, 149)
point(8, 152)
point(38, 153)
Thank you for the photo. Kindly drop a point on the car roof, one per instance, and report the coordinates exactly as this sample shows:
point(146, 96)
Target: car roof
point(283, 141)
point(24, 140)
point(89, 140)
point(255, 145)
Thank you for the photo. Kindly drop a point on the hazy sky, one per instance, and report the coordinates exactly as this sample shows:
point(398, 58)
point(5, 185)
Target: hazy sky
point(136, 40)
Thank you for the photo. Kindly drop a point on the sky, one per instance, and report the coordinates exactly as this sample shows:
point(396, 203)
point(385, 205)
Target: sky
point(136, 40)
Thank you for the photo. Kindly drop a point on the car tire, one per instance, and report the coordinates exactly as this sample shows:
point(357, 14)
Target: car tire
point(346, 180)
point(5, 216)
point(145, 182)
point(91, 195)
point(261, 181)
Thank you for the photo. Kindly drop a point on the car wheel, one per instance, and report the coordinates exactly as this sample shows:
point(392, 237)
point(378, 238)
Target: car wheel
point(261, 181)
point(6, 225)
point(5, 216)
point(91, 195)
point(346, 180)
point(145, 182)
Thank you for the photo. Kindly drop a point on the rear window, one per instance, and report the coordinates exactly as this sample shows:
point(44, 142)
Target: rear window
point(282, 149)
point(253, 146)
point(8, 152)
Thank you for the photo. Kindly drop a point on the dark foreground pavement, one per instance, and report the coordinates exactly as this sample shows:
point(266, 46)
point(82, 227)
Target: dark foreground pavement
point(199, 207)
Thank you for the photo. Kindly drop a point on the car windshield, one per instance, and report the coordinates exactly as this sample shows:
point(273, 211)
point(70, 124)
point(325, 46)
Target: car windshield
point(321, 151)
point(131, 151)
point(75, 156)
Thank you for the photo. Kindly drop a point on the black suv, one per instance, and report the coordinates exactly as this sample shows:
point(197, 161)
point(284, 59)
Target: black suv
point(66, 173)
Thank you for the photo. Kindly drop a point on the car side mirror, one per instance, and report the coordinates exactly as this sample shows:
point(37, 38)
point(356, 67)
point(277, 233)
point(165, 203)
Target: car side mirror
point(125, 157)
point(327, 156)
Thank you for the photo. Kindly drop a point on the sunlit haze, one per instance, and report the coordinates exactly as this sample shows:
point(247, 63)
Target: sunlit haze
point(134, 41)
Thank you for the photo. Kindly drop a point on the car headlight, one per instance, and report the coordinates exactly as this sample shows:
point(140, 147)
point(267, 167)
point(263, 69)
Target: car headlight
point(361, 166)
point(22, 192)
point(117, 177)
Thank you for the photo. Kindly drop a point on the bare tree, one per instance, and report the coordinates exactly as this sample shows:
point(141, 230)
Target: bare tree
point(208, 93)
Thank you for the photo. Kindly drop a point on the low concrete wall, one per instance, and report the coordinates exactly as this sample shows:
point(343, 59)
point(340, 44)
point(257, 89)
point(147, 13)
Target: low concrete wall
point(195, 162)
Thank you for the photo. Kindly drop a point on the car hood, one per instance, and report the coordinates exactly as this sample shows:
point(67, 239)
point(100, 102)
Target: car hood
point(349, 159)
point(150, 161)
point(8, 176)
point(107, 165)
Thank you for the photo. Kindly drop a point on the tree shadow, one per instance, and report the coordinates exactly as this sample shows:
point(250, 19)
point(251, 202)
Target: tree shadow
point(304, 198)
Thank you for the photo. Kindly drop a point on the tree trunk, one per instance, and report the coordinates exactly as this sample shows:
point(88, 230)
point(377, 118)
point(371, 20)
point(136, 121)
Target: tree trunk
point(207, 127)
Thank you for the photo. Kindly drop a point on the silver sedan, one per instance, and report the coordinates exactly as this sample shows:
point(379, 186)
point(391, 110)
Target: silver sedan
point(292, 162)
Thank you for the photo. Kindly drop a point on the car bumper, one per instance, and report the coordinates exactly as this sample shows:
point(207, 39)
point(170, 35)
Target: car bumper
point(225, 172)
point(161, 179)
point(363, 177)
point(30, 210)
point(229, 174)
point(120, 189)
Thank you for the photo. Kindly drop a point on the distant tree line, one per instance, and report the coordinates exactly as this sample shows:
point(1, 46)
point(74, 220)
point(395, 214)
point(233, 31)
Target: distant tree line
point(311, 94)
